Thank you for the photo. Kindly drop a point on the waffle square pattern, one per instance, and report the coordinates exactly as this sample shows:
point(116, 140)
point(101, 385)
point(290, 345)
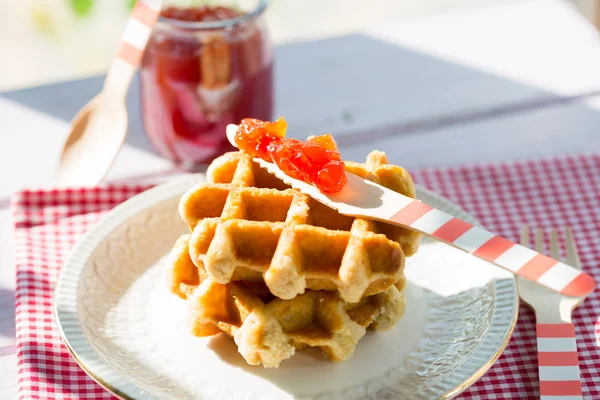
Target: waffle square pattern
point(268, 330)
point(249, 226)
point(278, 271)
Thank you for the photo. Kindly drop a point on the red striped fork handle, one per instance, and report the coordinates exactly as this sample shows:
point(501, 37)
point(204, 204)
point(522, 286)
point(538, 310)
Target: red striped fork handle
point(558, 363)
point(143, 17)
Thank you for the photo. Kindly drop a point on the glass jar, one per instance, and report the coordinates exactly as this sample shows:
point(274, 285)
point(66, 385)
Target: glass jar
point(197, 77)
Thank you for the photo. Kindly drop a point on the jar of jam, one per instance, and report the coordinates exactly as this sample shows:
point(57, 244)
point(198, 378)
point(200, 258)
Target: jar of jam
point(205, 67)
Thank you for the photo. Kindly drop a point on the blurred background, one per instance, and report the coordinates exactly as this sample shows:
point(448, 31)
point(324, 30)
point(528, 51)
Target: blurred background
point(54, 36)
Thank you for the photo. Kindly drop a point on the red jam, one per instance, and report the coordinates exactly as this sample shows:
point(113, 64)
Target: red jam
point(200, 14)
point(195, 81)
point(315, 161)
point(253, 136)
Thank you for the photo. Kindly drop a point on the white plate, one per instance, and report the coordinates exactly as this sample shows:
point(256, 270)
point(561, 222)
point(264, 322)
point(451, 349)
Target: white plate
point(129, 333)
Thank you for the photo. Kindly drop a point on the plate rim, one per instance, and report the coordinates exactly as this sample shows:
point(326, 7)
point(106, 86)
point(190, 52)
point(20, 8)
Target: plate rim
point(126, 210)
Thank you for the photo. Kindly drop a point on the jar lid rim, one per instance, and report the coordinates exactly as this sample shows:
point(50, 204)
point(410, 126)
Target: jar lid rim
point(226, 23)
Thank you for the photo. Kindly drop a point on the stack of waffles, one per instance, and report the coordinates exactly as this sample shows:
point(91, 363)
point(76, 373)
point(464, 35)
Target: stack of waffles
point(278, 271)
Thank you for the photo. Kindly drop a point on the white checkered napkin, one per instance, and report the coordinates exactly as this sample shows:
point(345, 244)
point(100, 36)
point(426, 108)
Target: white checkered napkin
point(546, 193)
point(47, 224)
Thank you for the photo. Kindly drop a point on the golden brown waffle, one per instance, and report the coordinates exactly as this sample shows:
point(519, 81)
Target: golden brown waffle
point(268, 330)
point(249, 226)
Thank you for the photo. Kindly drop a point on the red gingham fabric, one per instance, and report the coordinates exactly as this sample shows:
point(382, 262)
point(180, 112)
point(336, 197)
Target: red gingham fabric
point(47, 223)
point(543, 193)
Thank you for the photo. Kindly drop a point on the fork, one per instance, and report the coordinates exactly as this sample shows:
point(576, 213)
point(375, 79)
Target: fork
point(557, 350)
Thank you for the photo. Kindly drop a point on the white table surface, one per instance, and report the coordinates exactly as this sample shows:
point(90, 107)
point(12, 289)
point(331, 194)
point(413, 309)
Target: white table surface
point(515, 81)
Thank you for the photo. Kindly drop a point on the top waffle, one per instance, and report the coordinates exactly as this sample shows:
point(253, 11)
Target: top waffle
point(248, 225)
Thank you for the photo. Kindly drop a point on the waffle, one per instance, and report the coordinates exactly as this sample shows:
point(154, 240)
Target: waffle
point(268, 330)
point(249, 226)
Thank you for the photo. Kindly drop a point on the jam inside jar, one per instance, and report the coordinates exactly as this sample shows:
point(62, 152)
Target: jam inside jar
point(205, 67)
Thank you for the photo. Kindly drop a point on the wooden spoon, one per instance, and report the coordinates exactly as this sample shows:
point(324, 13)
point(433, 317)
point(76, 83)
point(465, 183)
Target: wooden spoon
point(99, 130)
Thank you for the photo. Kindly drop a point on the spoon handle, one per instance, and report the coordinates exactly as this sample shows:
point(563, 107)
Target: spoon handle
point(143, 17)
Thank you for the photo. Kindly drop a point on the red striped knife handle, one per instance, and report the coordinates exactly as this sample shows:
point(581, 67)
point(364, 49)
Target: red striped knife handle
point(558, 363)
point(363, 198)
point(518, 259)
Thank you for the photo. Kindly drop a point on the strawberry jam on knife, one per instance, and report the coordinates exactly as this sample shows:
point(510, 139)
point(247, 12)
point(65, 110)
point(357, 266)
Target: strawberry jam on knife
point(315, 161)
point(253, 136)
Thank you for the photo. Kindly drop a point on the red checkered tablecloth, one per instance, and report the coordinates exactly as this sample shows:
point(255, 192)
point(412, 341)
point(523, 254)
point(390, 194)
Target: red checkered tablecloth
point(543, 193)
